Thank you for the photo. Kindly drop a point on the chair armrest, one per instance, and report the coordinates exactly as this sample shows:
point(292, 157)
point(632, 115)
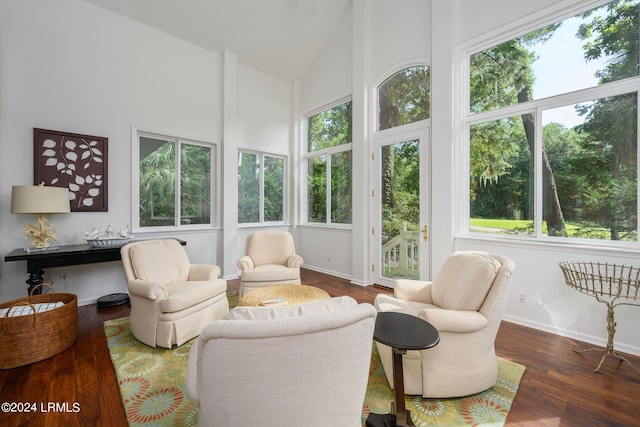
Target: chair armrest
point(294, 261)
point(202, 272)
point(193, 363)
point(246, 263)
point(413, 290)
point(453, 320)
point(150, 290)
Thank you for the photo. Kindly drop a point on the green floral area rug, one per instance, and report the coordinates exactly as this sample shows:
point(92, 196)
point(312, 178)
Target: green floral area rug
point(152, 386)
point(487, 409)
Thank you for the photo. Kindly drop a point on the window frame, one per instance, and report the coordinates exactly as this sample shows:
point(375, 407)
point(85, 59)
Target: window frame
point(535, 107)
point(285, 187)
point(327, 153)
point(214, 214)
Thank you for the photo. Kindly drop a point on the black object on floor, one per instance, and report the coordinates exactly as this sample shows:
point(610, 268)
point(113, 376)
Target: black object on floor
point(113, 300)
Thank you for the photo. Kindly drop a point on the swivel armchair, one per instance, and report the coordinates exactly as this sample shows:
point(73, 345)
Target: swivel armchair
point(465, 304)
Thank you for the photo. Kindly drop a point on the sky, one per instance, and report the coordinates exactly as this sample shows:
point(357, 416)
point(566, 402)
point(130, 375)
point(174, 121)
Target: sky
point(561, 68)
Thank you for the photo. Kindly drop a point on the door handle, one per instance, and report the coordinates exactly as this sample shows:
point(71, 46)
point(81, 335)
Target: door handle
point(425, 233)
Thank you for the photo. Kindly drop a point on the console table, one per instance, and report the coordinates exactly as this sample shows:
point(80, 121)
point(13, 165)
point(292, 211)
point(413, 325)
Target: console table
point(62, 256)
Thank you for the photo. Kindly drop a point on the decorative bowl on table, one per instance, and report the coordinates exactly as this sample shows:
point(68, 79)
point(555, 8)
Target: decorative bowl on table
point(108, 243)
point(108, 238)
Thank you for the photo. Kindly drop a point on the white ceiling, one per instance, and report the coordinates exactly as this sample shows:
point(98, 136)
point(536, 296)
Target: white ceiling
point(278, 37)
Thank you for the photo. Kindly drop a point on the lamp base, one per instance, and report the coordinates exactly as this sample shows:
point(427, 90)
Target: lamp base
point(40, 235)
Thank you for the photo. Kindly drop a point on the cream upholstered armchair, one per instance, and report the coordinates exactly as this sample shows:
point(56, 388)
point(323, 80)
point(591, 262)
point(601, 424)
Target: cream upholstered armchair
point(465, 304)
point(171, 299)
point(270, 259)
point(284, 366)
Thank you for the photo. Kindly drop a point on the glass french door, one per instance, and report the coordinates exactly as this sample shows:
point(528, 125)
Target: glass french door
point(400, 232)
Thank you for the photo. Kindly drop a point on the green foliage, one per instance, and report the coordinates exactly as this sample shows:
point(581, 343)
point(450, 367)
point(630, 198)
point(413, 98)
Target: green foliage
point(405, 97)
point(593, 167)
point(273, 189)
point(401, 200)
point(330, 128)
point(317, 189)
point(158, 183)
point(249, 178)
point(248, 188)
point(341, 188)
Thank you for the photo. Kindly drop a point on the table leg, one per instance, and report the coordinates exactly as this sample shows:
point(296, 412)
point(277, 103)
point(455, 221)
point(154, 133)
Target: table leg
point(35, 278)
point(403, 415)
point(611, 329)
point(399, 416)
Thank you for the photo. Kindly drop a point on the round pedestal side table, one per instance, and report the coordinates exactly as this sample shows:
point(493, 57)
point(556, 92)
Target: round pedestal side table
point(401, 332)
point(610, 284)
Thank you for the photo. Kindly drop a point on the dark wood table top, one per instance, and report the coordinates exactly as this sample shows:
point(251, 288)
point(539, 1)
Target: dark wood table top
point(405, 332)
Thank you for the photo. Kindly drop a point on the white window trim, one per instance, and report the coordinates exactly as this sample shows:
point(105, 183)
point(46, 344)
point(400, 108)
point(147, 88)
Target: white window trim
point(136, 133)
point(555, 13)
point(285, 188)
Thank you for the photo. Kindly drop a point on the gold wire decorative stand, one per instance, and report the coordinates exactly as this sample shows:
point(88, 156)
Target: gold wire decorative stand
point(610, 284)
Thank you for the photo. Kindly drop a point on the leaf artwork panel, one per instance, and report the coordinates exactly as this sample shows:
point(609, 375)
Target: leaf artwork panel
point(73, 161)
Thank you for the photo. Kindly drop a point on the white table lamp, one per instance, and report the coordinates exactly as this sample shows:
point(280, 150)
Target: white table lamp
point(38, 199)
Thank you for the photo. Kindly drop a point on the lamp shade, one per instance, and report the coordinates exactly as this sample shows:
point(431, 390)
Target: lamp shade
point(39, 199)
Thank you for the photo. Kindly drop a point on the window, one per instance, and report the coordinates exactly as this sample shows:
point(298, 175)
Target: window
point(553, 131)
point(328, 160)
point(174, 182)
point(260, 188)
point(404, 98)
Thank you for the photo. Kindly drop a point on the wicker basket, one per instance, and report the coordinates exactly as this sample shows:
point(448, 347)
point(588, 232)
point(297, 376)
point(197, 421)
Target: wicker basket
point(34, 337)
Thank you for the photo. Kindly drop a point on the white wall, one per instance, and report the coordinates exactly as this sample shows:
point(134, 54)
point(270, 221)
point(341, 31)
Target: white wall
point(327, 80)
point(265, 110)
point(400, 33)
point(329, 75)
point(265, 124)
point(72, 66)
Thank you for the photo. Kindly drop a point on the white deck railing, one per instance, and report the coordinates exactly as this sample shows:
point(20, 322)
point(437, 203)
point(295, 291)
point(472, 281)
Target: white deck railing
point(401, 255)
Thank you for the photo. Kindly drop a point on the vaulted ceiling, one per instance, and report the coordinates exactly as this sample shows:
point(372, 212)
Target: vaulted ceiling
point(278, 37)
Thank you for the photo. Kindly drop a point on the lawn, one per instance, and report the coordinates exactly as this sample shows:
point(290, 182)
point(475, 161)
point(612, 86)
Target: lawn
point(513, 226)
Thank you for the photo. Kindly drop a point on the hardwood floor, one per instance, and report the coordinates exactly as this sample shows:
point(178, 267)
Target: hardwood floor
point(559, 387)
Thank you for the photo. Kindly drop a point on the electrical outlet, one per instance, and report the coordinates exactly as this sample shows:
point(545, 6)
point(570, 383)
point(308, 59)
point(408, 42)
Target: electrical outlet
point(523, 298)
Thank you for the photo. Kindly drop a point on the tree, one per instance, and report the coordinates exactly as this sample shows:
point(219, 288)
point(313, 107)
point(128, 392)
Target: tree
point(330, 128)
point(611, 122)
point(502, 76)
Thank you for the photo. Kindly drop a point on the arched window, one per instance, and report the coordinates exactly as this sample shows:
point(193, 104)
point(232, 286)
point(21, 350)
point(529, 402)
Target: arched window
point(405, 97)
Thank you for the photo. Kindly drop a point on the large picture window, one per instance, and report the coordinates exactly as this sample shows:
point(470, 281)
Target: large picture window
point(553, 131)
point(260, 187)
point(328, 160)
point(174, 182)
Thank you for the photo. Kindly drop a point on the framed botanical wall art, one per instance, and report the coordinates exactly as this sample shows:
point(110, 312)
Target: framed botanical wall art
point(74, 161)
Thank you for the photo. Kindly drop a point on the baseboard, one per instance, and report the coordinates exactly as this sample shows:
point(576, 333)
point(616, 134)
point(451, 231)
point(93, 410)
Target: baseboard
point(591, 339)
point(329, 272)
point(87, 301)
